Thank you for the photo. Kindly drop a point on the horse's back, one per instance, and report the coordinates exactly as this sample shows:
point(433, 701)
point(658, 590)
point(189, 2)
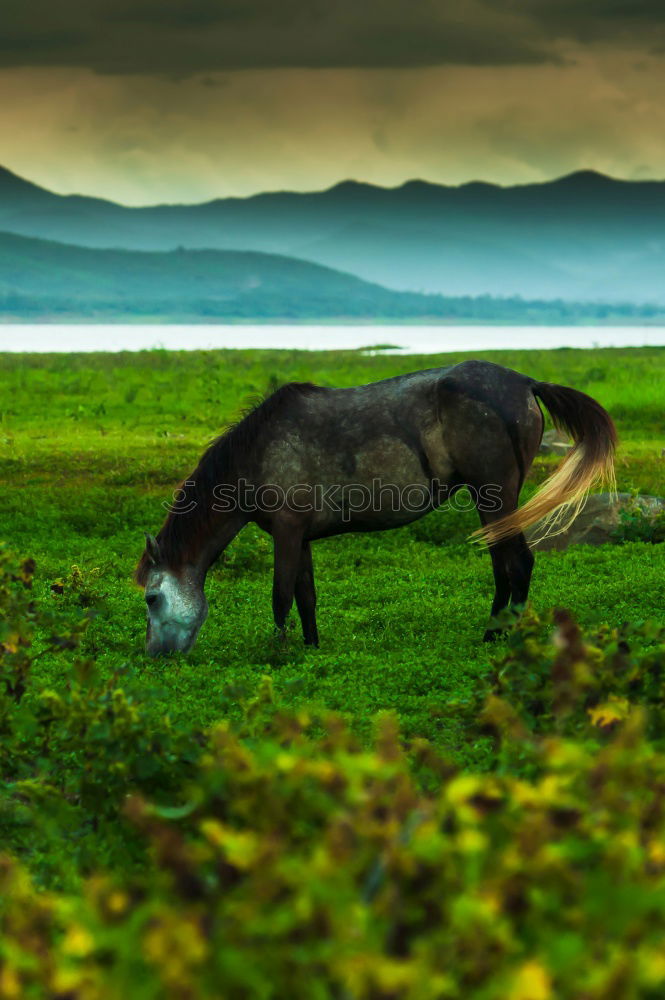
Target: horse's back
point(467, 405)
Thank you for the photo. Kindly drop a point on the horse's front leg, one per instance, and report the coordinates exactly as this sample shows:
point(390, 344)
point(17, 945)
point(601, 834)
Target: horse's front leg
point(306, 596)
point(287, 542)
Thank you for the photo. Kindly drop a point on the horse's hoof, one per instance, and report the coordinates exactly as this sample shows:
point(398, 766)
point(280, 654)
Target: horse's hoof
point(493, 634)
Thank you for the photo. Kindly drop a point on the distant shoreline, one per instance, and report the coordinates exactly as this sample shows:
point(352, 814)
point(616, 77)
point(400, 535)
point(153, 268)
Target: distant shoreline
point(332, 321)
point(414, 339)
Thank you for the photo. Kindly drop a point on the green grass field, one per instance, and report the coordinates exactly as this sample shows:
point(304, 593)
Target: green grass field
point(91, 445)
point(249, 821)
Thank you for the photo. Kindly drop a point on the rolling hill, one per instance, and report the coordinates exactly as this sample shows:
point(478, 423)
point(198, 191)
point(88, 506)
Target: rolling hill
point(585, 237)
point(41, 280)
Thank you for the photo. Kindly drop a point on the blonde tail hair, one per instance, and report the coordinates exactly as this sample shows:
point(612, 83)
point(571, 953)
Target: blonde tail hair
point(590, 463)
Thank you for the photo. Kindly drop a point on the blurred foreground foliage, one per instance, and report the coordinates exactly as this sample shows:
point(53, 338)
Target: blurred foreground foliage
point(280, 858)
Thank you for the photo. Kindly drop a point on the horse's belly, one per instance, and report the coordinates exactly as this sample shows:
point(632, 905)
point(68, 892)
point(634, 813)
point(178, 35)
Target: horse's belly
point(386, 484)
point(382, 483)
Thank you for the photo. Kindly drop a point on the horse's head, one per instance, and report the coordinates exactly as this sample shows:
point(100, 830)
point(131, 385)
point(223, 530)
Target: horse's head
point(175, 601)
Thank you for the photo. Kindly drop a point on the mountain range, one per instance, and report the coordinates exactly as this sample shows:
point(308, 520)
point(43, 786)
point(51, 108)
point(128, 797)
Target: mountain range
point(584, 238)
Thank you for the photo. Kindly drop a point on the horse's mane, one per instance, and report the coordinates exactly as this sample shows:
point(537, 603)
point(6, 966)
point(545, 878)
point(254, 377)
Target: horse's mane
point(218, 464)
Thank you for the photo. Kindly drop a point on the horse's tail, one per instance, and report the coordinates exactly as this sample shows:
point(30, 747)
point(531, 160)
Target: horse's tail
point(590, 463)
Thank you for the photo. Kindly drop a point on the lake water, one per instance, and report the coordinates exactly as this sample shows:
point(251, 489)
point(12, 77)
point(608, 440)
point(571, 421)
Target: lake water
point(405, 339)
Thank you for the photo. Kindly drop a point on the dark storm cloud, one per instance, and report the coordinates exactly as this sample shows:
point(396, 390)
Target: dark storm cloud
point(622, 22)
point(184, 36)
point(199, 35)
point(572, 13)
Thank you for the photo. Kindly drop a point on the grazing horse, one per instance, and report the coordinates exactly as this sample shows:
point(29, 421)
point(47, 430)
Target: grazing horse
point(310, 462)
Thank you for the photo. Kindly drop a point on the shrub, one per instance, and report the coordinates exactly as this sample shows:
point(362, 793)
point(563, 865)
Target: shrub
point(312, 868)
point(281, 858)
point(69, 758)
point(21, 618)
point(566, 684)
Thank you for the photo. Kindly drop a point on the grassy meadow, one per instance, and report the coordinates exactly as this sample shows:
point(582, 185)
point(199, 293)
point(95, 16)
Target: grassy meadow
point(92, 444)
point(402, 814)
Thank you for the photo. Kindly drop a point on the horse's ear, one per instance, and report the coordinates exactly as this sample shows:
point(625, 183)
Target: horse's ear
point(152, 548)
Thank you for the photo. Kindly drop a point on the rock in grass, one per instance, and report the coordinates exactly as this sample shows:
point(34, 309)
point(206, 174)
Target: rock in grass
point(607, 518)
point(553, 444)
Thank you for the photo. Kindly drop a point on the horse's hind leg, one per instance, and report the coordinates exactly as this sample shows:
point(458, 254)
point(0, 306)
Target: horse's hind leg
point(502, 587)
point(306, 596)
point(512, 563)
point(501, 591)
point(519, 559)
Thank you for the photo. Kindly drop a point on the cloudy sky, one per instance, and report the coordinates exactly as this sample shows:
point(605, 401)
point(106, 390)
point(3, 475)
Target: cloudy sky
point(148, 101)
